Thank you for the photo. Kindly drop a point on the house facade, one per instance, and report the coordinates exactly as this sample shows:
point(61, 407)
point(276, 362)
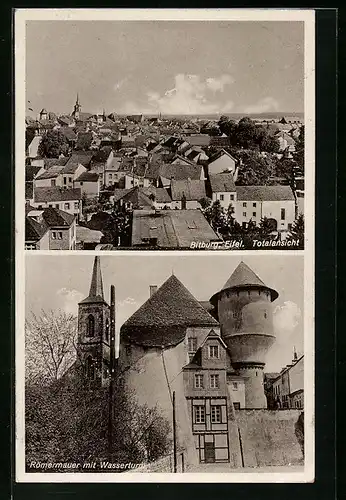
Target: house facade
point(222, 162)
point(67, 200)
point(50, 229)
point(276, 203)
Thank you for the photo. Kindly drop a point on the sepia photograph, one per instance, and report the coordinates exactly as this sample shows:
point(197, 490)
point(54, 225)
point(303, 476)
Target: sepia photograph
point(139, 133)
point(149, 134)
point(146, 364)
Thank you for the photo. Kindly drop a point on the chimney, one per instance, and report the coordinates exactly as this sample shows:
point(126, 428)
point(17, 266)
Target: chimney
point(153, 289)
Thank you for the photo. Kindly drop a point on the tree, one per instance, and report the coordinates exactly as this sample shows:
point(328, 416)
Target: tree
point(227, 126)
point(255, 169)
point(67, 422)
point(205, 203)
point(298, 231)
point(84, 140)
point(50, 345)
point(53, 144)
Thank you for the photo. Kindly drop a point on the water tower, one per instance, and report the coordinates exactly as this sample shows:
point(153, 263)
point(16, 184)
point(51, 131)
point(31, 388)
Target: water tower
point(245, 312)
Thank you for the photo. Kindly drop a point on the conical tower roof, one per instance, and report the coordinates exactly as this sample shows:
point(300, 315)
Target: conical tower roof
point(96, 285)
point(162, 320)
point(244, 277)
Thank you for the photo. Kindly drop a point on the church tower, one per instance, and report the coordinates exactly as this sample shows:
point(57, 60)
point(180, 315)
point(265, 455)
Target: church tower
point(94, 331)
point(77, 108)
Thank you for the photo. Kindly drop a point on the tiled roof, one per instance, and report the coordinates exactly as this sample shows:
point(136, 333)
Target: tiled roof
point(46, 194)
point(87, 235)
point(138, 197)
point(220, 153)
point(51, 173)
point(55, 217)
point(192, 189)
point(241, 277)
point(180, 172)
point(264, 193)
point(222, 183)
point(34, 230)
point(163, 318)
point(171, 228)
point(88, 177)
point(53, 162)
point(162, 195)
point(82, 157)
point(198, 140)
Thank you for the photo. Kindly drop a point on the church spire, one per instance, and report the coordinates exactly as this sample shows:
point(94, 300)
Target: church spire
point(96, 286)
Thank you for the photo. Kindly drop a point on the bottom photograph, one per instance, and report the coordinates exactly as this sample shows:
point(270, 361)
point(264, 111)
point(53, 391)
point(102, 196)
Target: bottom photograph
point(161, 363)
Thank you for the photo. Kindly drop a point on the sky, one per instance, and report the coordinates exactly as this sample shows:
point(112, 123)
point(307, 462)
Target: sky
point(60, 282)
point(172, 67)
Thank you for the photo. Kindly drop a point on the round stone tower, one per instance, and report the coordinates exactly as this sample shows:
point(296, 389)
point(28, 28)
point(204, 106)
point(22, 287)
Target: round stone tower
point(244, 309)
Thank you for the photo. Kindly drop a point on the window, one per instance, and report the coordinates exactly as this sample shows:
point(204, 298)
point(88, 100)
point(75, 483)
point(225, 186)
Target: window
point(236, 406)
point(289, 227)
point(253, 214)
point(231, 197)
point(40, 206)
point(214, 381)
point(66, 206)
point(50, 205)
point(53, 235)
point(213, 351)
point(222, 197)
point(254, 204)
point(76, 205)
point(90, 326)
point(192, 344)
point(283, 214)
point(53, 183)
point(215, 414)
point(59, 235)
point(81, 183)
point(65, 180)
point(235, 386)
point(70, 179)
point(244, 204)
point(57, 205)
point(199, 414)
point(265, 314)
point(244, 214)
point(199, 381)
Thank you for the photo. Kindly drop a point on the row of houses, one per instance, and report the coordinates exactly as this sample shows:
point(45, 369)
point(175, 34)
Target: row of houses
point(285, 390)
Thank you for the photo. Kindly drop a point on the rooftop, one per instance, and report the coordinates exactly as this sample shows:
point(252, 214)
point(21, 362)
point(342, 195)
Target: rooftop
point(45, 194)
point(192, 189)
point(171, 228)
point(164, 317)
point(244, 277)
point(223, 182)
point(264, 193)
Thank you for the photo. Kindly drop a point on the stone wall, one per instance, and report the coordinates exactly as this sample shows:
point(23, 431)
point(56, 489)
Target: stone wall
point(268, 438)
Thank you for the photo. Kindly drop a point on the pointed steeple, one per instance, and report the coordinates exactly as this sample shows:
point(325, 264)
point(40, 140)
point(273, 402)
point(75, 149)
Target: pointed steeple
point(96, 285)
point(244, 277)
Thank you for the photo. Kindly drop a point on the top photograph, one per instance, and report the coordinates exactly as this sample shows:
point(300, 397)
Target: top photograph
point(163, 135)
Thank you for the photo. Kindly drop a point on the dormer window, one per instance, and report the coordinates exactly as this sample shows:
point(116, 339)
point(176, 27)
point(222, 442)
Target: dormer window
point(213, 351)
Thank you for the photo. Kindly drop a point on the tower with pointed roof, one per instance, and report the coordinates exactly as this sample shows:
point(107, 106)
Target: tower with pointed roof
point(77, 108)
point(244, 310)
point(94, 331)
